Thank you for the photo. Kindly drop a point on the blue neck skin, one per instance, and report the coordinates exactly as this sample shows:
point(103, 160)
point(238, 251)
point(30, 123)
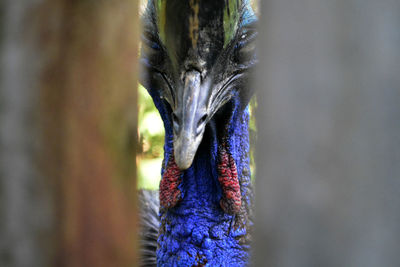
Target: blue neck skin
point(197, 232)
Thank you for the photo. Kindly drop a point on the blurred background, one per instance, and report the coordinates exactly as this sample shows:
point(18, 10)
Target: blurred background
point(79, 136)
point(68, 133)
point(328, 151)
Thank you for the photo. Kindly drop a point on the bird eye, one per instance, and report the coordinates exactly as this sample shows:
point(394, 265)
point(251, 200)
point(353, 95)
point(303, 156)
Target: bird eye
point(245, 47)
point(152, 50)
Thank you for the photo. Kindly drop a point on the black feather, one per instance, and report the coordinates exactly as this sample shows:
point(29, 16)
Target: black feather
point(149, 224)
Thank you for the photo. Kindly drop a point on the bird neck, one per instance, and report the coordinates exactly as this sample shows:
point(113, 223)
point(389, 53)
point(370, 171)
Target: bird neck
point(197, 230)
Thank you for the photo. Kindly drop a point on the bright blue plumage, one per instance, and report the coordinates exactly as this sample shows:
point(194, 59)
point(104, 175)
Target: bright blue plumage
point(198, 231)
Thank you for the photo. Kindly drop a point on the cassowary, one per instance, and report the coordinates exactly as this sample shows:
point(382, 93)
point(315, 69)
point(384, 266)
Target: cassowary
point(196, 60)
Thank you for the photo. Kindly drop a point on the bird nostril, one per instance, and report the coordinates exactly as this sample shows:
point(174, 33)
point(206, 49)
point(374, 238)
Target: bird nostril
point(201, 123)
point(203, 119)
point(175, 122)
point(174, 117)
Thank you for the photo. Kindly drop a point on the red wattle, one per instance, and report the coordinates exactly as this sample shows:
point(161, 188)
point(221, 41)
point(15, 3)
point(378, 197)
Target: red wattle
point(231, 200)
point(170, 195)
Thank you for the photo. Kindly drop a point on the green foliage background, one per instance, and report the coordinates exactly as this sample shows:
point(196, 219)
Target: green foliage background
point(151, 141)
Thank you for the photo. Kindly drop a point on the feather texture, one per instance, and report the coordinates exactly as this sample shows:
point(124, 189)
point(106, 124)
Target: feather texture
point(149, 224)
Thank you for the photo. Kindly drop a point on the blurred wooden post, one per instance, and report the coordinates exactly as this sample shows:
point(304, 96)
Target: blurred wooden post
point(328, 172)
point(81, 103)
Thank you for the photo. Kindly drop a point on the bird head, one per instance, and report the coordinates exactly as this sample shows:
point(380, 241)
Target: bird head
point(197, 54)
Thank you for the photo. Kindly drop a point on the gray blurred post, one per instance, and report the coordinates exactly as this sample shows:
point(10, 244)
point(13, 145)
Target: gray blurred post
point(328, 173)
point(25, 197)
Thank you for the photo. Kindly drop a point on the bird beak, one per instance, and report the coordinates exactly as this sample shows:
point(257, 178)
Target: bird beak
point(189, 120)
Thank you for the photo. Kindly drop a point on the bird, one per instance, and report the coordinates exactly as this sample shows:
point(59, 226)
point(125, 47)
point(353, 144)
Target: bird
point(197, 58)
